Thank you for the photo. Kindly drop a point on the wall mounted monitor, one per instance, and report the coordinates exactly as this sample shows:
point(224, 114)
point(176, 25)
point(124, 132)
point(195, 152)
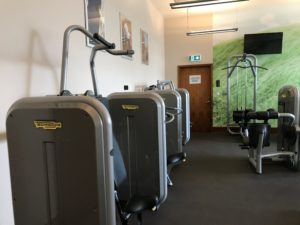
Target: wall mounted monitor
point(263, 43)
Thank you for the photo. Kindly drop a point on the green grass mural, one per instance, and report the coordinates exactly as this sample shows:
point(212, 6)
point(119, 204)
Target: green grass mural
point(283, 69)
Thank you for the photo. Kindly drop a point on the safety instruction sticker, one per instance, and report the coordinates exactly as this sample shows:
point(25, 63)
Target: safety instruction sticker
point(195, 79)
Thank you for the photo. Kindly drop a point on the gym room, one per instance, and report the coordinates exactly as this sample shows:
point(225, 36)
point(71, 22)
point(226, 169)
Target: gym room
point(152, 112)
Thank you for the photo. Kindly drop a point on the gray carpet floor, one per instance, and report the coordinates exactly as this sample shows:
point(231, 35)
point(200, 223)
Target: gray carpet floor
point(218, 186)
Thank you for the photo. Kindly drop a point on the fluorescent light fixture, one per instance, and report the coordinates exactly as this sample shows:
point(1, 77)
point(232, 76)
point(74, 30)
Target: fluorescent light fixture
point(202, 32)
point(178, 5)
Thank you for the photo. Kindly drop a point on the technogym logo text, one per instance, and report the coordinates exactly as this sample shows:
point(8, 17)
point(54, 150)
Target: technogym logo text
point(47, 125)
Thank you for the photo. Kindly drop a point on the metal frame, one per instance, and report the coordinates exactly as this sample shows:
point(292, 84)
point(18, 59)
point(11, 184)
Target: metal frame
point(94, 51)
point(252, 61)
point(256, 155)
point(284, 152)
point(65, 55)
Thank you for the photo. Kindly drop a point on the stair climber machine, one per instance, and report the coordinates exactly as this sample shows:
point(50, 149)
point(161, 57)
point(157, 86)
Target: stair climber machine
point(288, 136)
point(172, 100)
point(66, 165)
point(238, 102)
point(185, 100)
point(140, 129)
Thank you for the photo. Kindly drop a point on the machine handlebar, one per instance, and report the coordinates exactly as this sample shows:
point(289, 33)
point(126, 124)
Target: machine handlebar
point(103, 41)
point(266, 115)
point(121, 52)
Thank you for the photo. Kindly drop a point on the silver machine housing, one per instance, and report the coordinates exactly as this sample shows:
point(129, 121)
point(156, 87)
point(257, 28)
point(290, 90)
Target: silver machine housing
point(172, 101)
point(53, 144)
point(61, 155)
point(185, 106)
point(135, 115)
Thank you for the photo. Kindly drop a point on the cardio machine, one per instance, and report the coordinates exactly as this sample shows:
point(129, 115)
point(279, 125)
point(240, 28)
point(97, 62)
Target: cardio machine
point(139, 127)
point(65, 163)
point(185, 104)
point(178, 129)
point(61, 158)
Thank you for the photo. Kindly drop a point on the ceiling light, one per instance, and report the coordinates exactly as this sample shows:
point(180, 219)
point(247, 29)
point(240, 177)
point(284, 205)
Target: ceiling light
point(178, 5)
point(194, 33)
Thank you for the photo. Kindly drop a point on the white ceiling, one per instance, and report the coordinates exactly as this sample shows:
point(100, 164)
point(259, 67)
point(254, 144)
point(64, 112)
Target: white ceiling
point(164, 8)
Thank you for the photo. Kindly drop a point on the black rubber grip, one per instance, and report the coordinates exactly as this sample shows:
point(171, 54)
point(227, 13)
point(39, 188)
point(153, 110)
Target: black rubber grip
point(273, 115)
point(263, 115)
point(130, 52)
point(120, 52)
point(251, 115)
point(100, 39)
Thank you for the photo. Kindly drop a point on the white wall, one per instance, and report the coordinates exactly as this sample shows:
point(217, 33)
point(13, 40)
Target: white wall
point(267, 14)
point(30, 58)
point(179, 46)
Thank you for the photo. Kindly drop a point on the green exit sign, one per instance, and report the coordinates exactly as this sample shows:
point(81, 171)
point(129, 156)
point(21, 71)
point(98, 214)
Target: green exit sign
point(195, 58)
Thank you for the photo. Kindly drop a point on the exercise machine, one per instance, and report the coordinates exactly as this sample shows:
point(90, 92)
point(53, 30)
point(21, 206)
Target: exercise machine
point(139, 126)
point(65, 163)
point(173, 103)
point(288, 137)
point(61, 164)
point(140, 130)
point(185, 104)
point(242, 83)
point(139, 197)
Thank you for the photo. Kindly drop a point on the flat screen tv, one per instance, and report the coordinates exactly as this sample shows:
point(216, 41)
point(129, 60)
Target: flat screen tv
point(263, 43)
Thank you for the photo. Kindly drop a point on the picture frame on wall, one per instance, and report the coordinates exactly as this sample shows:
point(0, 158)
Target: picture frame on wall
point(144, 47)
point(94, 18)
point(126, 34)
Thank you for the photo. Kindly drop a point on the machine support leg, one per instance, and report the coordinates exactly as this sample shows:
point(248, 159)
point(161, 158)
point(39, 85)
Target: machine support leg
point(259, 153)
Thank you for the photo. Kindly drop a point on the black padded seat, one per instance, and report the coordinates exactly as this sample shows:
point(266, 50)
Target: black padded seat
point(176, 158)
point(138, 204)
point(255, 129)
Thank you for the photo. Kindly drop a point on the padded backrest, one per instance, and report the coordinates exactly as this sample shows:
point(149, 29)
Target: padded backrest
point(255, 129)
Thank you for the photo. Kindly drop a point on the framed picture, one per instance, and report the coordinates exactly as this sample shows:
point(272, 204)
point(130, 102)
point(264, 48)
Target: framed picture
point(94, 18)
point(145, 47)
point(126, 34)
